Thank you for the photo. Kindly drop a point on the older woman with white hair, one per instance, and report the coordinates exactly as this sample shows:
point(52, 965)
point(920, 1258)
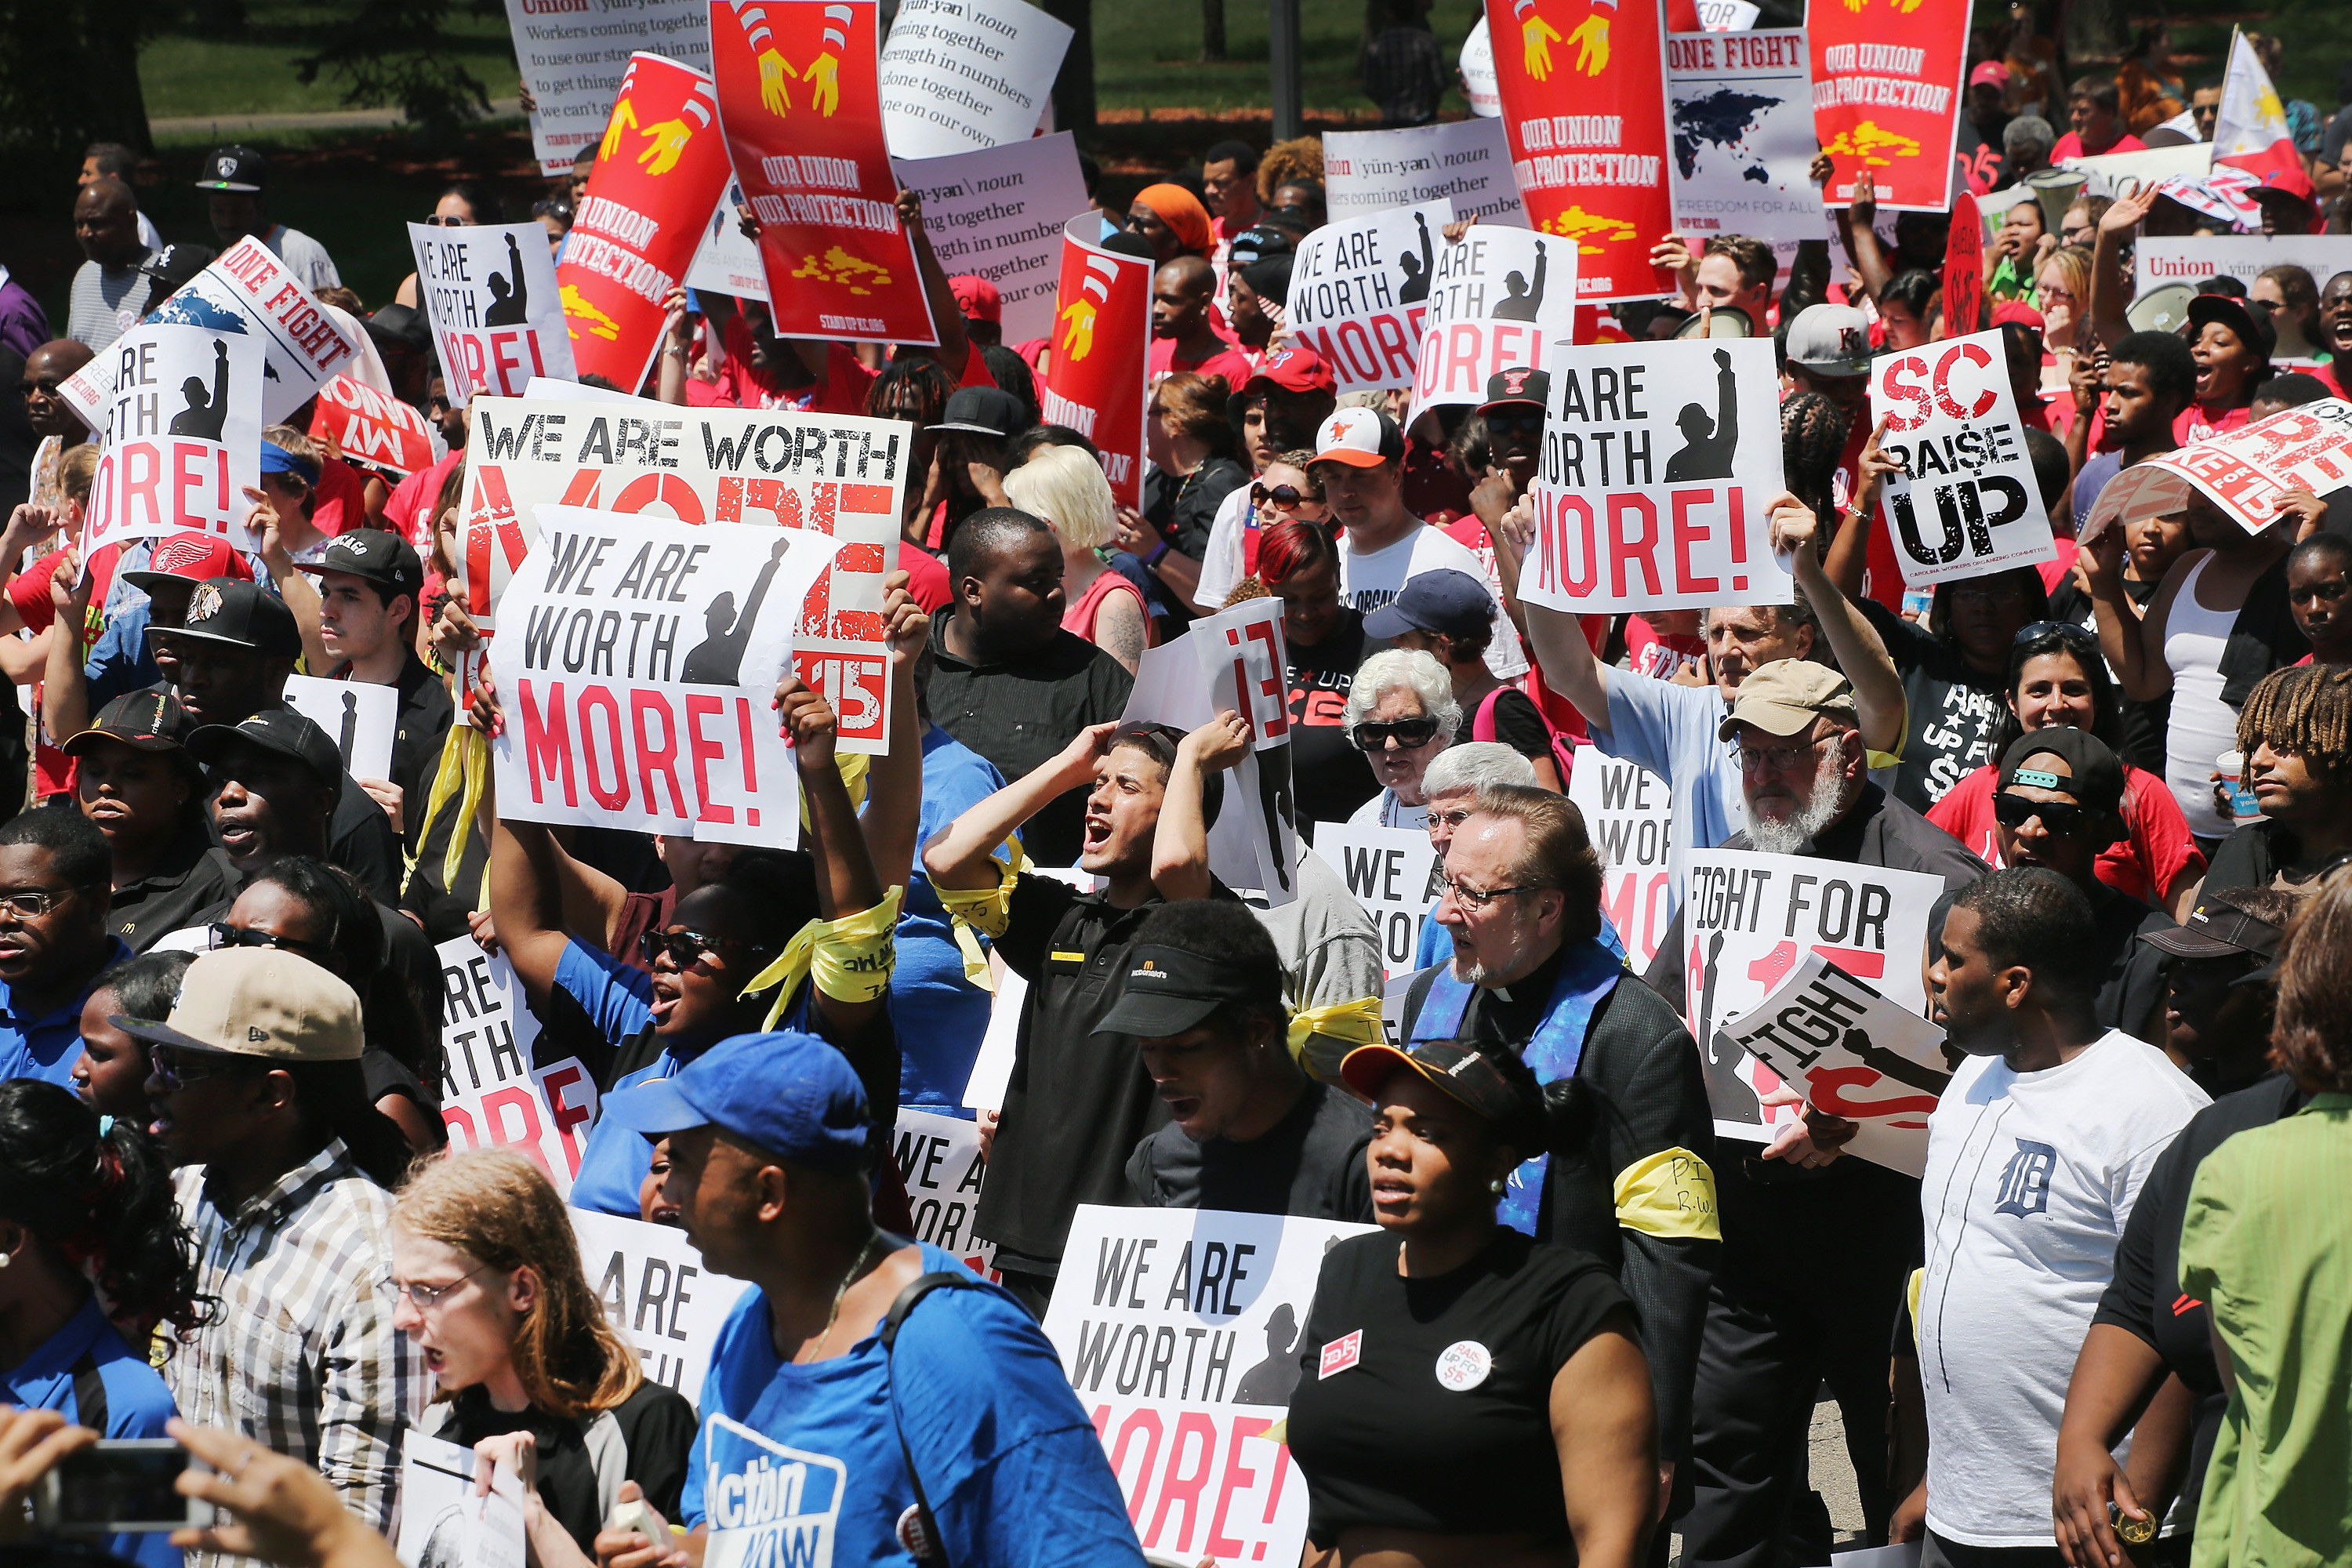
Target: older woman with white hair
point(1401, 714)
point(1067, 488)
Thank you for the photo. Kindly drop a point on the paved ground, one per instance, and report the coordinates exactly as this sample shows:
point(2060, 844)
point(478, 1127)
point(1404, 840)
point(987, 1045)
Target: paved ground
point(336, 120)
point(1833, 1476)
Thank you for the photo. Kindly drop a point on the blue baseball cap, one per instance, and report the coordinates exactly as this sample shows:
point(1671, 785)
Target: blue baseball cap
point(787, 1093)
point(1446, 602)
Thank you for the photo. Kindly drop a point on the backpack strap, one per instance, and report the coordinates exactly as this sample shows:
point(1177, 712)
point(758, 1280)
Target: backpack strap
point(1482, 722)
point(90, 1394)
point(922, 1541)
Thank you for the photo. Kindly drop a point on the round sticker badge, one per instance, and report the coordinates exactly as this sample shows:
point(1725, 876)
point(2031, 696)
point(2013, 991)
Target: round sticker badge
point(1463, 1366)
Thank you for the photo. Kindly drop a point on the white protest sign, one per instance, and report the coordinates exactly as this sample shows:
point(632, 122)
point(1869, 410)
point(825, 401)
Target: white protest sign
point(1181, 1332)
point(657, 1294)
point(728, 261)
point(2157, 261)
point(940, 1160)
point(490, 291)
point(1000, 1043)
point(359, 717)
point(999, 214)
point(1629, 815)
point(1466, 162)
point(2246, 470)
point(1854, 1054)
point(1659, 463)
point(960, 75)
point(1740, 106)
point(1478, 67)
point(247, 289)
point(1727, 16)
point(182, 436)
point(1749, 919)
point(1502, 299)
point(638, 668)
point(442, 1524)
point(573, 53)
point(2116, 175)
point(1359, 293)
point(492, 1093)
point(1394, 873)
point(1968, 502)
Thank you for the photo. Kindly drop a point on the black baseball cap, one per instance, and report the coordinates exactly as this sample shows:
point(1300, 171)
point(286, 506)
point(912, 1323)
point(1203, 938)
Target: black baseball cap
point(278, 730)
point(2220, 929)
point(984, 411)
point(1252, 246)
point(239, 614)
point(402, 325)
point(2098, 778)
point(1448, 602)
point(1514, 1105)
point(2250, 321)
point(147, 721)
point(1517, 385)
point(381, 558)
point(233, 168)
point(172, 266)
point(1167, 990)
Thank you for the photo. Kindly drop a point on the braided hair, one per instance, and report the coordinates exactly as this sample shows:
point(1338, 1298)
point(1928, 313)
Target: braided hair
point(2306, 710)
point(1812, 437)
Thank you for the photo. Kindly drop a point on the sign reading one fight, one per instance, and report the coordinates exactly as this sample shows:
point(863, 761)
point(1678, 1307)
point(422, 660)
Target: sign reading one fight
point(1359, 293)
point(1659, 463)
point(1952, 419)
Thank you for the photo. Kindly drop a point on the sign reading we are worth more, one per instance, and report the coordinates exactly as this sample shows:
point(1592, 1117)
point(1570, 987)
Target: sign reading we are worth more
point(182, 434)
point(490, 292)
point(494, 1091)
point(1359, 293)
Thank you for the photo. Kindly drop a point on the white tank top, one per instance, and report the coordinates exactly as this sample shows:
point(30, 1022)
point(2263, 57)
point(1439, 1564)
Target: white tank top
point(2202, 726)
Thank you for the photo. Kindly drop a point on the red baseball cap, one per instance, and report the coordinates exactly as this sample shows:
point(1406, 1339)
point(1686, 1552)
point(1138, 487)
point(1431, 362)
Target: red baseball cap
point(193, 554)
point(1293, 368)
point(977, 298)
point(1990, 73)
point(2018, 311)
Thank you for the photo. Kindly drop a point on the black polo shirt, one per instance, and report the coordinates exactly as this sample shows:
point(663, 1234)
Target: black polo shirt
point(1021, 712)
point(191, 876)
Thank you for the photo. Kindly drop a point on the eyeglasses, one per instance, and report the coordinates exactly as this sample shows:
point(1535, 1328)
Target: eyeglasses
point(1285, 498)
point(1471, 898)
point(32, 903)
point(424, 1297)
point(685, 948)
point(1774, 759)
point(1407, 734)
point(440, 220)
point(224, 935)
point(47, 385)
point(2058, 816)
point(1453, 818)
point(168, 1068)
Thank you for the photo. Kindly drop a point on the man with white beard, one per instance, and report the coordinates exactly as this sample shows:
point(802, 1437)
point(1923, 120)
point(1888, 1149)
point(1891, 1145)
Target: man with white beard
point(1815, 1249)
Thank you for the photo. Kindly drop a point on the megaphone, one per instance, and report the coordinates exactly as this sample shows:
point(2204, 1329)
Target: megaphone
point(2055, 189)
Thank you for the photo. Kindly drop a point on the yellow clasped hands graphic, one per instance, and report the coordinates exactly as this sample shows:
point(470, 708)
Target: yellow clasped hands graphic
point(1590, 38)
point(824, 80)
point(1080, 339)
point(773, 74)
point(1591, 41)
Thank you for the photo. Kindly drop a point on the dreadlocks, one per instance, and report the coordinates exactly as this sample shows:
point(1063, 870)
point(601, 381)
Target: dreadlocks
point(2306, 710)
point(1812, 437)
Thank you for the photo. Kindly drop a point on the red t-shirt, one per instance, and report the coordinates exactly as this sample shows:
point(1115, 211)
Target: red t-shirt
point(1661, 654)
point(2157, 852)
point(1162, 360)
point(2071, 146)
point(409, 508)
point(741, 384)
point(342, 498)
point(927, 579)
point(2194, 423)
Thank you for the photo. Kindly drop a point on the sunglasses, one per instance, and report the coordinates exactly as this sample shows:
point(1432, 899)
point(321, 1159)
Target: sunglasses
point(439, 221)
point(685, 948)
point(1285, 498)
point(47, 385)
point(2081, 637)
point(222, 935)
point(173, 1074)
point(1520, 422)
point(1406, 733)
point(2058, 816)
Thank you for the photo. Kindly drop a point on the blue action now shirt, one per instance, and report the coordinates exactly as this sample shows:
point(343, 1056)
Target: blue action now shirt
point(47, 1047)
point(137, 1403)
point(804, 1461)
point(938, 1015)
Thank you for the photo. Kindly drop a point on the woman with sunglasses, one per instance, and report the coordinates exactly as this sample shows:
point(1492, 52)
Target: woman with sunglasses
point(1323, 643)
point(1470, 1395)
point(1401, 714)
point(2057, 678)
point(461, 204)
point(1067, 488)
point(488, 1284)
point(1281, 493)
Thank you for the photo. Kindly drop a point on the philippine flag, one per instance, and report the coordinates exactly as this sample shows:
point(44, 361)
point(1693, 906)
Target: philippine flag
point(2251, 131)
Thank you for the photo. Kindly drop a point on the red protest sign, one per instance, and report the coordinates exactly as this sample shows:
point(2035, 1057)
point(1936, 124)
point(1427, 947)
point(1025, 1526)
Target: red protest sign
point(1963, 269)
point(1583, 84)
point(658, 173)
point(806, 139)
point(1102, 331)
point(369, 427)
point(1890, 108)
point(2247, 471)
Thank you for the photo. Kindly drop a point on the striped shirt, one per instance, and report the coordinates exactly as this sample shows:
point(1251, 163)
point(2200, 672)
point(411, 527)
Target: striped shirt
point(106, 303)
point(301, 1356)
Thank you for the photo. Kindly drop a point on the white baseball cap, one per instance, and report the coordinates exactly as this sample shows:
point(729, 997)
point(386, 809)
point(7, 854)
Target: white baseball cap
point(1830, 340)
point(1359, 437)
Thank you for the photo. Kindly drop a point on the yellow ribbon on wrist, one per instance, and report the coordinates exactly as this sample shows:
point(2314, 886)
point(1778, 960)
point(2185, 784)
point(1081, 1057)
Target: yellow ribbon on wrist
point(1669, 1193)
point(984, 911)
point(1342, 1026)
point(851, 958)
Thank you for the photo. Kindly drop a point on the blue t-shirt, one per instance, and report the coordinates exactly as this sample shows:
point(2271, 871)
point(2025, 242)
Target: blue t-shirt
point(938, 1015)
point(47, 1047)
point(619, 1000)
point(809, 1456)
point(137, 1402)
point(1671, 730)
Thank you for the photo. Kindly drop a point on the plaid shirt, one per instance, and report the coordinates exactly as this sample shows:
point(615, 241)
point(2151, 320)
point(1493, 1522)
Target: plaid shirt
point(301, 1356)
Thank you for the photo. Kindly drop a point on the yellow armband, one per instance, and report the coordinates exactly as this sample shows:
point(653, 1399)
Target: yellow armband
point(984, 911)
point(1341, 1026)
point(852, 958)
point(1670, 1193)
point(464, 773)
point(853, 766)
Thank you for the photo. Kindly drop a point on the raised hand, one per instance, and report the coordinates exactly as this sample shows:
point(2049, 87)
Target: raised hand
point(1220, 743)
point(808, 722)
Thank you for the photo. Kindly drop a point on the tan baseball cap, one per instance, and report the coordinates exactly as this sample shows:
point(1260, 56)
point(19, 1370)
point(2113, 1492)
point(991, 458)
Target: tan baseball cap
point(258, 1002)
point(1784, 697)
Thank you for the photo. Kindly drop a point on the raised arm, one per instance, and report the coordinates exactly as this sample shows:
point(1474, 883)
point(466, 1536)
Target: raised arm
point(894, 786)
point(1860, 240)
point(958, 855)
point(2132, 644)
point(527, 901)
point(954, 348)
point(1554, 636)
point(1179, 845)
point(1849, 551)
point(845, 882)
point(65, 683)
point(1877, 687)
point(2110, 291)
point(677, 340)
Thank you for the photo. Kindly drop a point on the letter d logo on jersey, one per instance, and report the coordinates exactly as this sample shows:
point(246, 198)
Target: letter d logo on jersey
point(768, 1506)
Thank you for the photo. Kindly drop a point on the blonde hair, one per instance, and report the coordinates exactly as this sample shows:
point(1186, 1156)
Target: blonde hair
point(2073, 265)
point(78, 470)
point(1067, 488)
point(500, 1210)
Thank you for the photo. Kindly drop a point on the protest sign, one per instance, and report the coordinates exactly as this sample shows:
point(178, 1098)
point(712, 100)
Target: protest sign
point(1964, 246)
point(2246, 470)
point(962, 75)
point(728, 260)
point(1232, 661)
point(612, 615)
point(839, 263)
point(489, 290)
point(370, 427)
point(940, 1160)
point(443, 1524)
point(1727, 16)
point(1851, 1053)
point(1394, 874)
point(1952, 417)
point(657, 1293)
point(1464, 161)
point(2116, 174)
point(838, 475)
point(1646, 501)
point(658, 171)
point(1359, 293)
point(574, 54)
point(494, 1091)
point(1750, 918)
point(183, 435)
point(1629, 815)
point(1182, 1331)
point(1583, 86)
point(2157, 261)
point(1890, 109)
point(999, 215)
point(248, 289)
point(1502, 299)
point(1743, 135)
point(1478, 67)
point(359, 716)
point(1094, 381)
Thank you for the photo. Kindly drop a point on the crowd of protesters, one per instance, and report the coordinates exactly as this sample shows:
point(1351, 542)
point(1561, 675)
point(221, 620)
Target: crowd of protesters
point(2112, 1320)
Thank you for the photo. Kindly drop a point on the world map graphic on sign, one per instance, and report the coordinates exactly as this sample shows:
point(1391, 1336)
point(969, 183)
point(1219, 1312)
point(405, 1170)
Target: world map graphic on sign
point(1723, 119)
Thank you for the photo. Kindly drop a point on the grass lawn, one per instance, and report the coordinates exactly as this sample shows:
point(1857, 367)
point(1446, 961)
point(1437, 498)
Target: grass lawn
point(254, 72)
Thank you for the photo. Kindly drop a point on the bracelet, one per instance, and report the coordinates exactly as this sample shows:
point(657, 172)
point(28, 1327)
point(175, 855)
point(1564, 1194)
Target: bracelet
point(1158, 551)
point(677, 349)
